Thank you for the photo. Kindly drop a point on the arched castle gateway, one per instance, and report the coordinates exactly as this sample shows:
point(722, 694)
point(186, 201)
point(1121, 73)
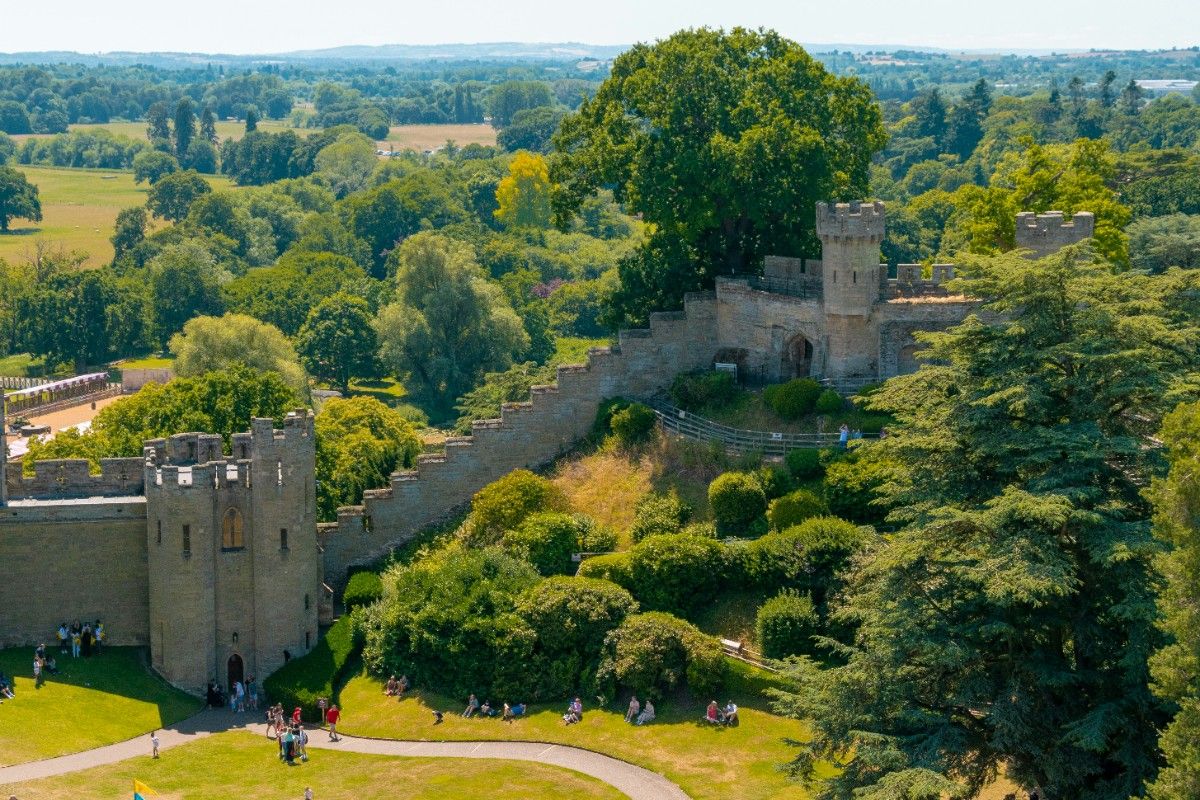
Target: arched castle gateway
point(216, 562)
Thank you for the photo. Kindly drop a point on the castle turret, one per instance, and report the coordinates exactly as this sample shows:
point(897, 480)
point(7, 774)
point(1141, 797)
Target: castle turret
point(850, 236)
point(234, 571)
point(1043, 234)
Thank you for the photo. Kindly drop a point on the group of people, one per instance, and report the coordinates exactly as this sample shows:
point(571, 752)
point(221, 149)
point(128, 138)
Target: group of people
point(43, 665)
point(716, 715)
point(396, 688)
point(845, 435)
point(507, 712)
point(80, 640)
point(639, 713)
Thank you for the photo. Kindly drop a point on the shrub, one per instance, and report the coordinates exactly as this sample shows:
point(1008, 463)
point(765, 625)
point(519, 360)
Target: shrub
point(705, 530)
point(658, 514)
point(594, 537)
point(547, 541)
point(675, 573)
point(315, 674)
point(775, 480)
point(793, 399)
point(852, 486)
point(654, 654)
point(792, 509)
point(449, 621)
point(613, 567)
point(804, 464)
point(809, 556)
point(362, 589)
point(504, 504)
point(603, 425)
point(874, 423)
point(737, 499)
point(633, 424)
point(570, 618)
point(694, 391)
point(829, 402)
point(785, 625)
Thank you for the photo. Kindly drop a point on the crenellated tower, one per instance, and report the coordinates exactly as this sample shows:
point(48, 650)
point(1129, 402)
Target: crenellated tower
point(234, 568)
point(1049, 232)
point(850, 235)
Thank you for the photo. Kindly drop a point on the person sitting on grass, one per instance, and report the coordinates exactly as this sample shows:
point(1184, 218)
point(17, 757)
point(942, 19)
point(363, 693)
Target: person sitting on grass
point(713, 713)
point(437, 717)
point(518, 710)
point(402, 685)
point(634, 709)
point(472, 707)
point(647, 714)
point(51, 666)
point(574, 712)
point(731, 713)
point(486, 709)
point(392, 688)
point(6, 692)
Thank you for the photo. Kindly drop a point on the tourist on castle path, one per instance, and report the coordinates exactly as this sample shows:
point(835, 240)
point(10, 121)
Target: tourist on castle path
point(154, 744)
point(98, 634)
point(87, 640)
point(843, 435)
point(64, 639)
point(332, 716)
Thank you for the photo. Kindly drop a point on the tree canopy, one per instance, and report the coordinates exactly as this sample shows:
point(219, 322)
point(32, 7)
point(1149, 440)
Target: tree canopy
point(18, 198)
point(208, 344)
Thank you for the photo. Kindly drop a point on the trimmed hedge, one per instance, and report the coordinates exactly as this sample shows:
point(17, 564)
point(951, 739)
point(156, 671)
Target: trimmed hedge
point(634, 424)
point(804, 464)
point(362, 589)
point(613, 567)
point(794, 508)
point(829, 402)
point(737, 499)
point(793, 399)
point(659, 514)
point(315, 674)
point(655, 654)
point(785, 625)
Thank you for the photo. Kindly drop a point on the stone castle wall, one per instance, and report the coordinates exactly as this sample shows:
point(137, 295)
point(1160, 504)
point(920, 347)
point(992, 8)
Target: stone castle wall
point(62, 479)
point(63, 562)
point(527, 434)
point(1049, 232)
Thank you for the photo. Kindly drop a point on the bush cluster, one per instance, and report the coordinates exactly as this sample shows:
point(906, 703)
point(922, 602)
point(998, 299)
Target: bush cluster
point(673, 572)
point(654, 654)
point(547, 541)
point(704, 389)
point(829, 402)
point(793, 399)
point(658, 514)
point(634, 424)
point(362, 589)
point(805, 464)
point(808, 556)
point(301, 681)
point(852, 486)
point(785, 625)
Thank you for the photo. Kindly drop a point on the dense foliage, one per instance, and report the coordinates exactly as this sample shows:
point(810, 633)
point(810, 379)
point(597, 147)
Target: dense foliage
point(302, 681)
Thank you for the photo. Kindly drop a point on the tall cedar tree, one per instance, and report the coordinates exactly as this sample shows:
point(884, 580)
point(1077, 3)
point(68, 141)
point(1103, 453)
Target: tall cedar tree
point(1176, 668)
point(724, 141)
point(185, 127)
point(1008, 622)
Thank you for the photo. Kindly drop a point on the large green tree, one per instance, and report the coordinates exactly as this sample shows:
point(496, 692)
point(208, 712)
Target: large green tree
point(172, 196)
point(18, 198)
point(1176, 668)
point(450, 325)
point(337, 341)
point(724, 141)
point(1007, 623)
point(210, 344)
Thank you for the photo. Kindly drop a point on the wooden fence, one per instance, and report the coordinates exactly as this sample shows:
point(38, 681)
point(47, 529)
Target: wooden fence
point(769, 443)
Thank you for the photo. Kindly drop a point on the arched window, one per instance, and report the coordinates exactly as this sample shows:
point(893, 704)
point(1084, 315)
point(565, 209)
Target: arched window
point(231, 530)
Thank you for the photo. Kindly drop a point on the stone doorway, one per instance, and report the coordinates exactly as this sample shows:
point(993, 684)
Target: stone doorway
point(236, 671)
point(797, 358)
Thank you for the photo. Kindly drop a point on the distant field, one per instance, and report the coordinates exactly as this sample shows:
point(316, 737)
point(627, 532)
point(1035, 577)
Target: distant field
point(430, 137)
point(79, 209)
point(226, 129)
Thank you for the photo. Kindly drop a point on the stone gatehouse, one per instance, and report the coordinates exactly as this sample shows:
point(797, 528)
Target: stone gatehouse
point(217, 563)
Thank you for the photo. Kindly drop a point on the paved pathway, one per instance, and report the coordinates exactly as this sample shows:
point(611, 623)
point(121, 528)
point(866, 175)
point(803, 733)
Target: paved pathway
point(634, 781)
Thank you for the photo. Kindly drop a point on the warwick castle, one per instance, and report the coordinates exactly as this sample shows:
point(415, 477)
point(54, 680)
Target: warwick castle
point(217, 562)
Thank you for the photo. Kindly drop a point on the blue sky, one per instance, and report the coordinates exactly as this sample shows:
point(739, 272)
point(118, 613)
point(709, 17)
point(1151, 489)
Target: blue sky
point(255, 26)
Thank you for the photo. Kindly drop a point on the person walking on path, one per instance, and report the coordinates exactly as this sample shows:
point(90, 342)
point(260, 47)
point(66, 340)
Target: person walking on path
point(154, 744)
point(332, 717)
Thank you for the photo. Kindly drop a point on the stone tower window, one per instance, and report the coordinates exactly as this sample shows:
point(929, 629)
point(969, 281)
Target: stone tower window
point(854, 276)
point(187, 540)
point(158, 535)
point(283, 545)
point(231, 531)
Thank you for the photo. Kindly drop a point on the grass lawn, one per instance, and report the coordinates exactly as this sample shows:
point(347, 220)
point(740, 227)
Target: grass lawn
point(21, 365)
point(741, 762)
point(431, 137)
point(573, 349)
point(226, 129)
point(79, 209)
point(91, 702)
point(244, 766)
point(149, 362)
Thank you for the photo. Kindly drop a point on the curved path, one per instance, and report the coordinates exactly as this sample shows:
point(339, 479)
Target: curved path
point(634, 781)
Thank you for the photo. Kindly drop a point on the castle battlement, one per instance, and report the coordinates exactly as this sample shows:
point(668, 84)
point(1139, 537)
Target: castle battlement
point(71, 479)
point(910, 282)
point(851, 220)
point(1051, 231)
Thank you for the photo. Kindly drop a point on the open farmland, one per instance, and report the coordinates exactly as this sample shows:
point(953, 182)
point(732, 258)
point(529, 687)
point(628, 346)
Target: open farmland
point(79, 208)
point(431, 137)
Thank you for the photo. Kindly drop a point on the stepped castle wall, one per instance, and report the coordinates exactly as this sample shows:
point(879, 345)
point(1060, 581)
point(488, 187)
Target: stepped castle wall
point(216, 562)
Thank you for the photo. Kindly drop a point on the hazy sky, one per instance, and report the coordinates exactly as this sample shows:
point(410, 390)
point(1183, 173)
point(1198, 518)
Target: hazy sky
point(257, 26)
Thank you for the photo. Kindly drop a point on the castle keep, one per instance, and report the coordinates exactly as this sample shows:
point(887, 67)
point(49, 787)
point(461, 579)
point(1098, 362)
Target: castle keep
point(216, 562)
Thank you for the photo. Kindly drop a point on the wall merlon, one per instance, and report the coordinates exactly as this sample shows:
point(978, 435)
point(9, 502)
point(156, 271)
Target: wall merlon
point(851, 220)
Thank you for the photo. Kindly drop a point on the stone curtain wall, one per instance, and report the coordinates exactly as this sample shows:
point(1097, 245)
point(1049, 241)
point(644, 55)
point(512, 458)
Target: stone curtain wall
point(72, 561)
point(63, 479)
point(527, 434)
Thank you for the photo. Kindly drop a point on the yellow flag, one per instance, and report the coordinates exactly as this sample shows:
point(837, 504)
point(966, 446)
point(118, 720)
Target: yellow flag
point(141, 790)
